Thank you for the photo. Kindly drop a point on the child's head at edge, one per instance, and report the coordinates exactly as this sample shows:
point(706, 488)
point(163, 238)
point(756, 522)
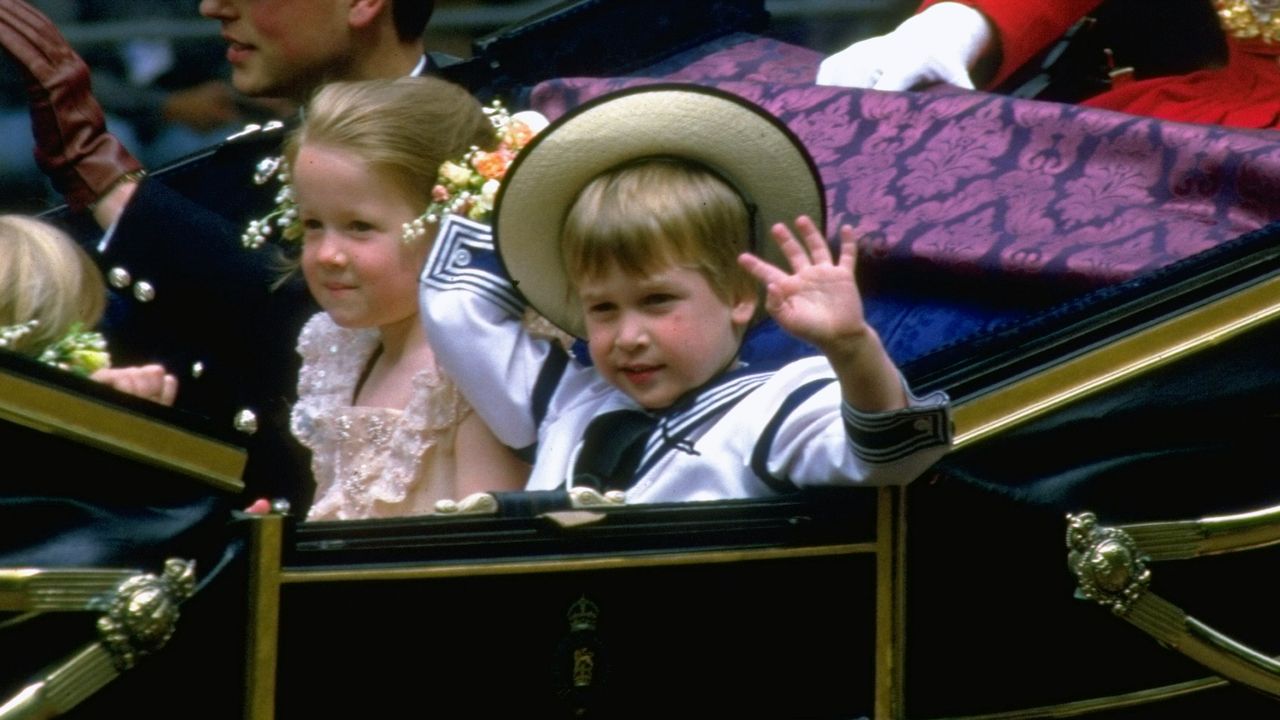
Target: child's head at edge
point(45, 276)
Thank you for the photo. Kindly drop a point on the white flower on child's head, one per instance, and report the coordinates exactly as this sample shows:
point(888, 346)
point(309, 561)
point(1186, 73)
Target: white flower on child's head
point(265, 169)
point(284, 216)
point(489, 192)
point(464, 204)
point(415, 229)
point(289, 221)
point(531, 120)
point(254, 236)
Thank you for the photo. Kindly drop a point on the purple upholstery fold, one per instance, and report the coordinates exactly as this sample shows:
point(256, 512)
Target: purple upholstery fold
point(968, 183)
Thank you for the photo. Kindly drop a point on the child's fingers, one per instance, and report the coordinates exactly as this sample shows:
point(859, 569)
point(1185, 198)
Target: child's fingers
point(145, 381)
point(815, 244)
point(848, 248)
point(169, 390)
point(791, 248)
point(763, 271)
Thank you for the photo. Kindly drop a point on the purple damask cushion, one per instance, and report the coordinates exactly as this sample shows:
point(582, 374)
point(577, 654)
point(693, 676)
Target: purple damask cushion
point(969, 184)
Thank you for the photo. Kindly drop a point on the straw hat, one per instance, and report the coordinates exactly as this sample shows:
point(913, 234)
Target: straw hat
point(750, 149)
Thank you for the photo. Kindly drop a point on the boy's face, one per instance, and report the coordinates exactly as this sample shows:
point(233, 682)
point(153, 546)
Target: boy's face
point(283, 48)
point(658, 336)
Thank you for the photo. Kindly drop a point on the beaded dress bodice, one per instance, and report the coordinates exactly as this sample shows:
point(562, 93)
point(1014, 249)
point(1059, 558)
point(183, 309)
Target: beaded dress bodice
point(372, 461)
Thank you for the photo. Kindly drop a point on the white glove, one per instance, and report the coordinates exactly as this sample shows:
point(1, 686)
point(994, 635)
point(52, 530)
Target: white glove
point(941, 44)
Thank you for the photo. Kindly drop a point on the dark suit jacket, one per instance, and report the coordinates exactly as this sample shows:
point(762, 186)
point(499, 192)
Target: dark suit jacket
point(186, 293)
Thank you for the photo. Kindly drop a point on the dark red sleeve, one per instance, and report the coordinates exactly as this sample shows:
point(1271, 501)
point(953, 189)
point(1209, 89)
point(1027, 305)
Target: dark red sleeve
point(1025, 27)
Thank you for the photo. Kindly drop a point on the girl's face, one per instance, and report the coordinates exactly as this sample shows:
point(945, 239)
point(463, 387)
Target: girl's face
point(356, 264)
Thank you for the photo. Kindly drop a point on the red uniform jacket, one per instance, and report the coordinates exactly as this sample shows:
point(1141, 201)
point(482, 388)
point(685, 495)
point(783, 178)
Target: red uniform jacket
point(1243, 93)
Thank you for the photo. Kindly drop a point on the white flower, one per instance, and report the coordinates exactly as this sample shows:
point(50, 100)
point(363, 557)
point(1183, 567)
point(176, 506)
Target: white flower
point(534, 120)
point(488, 192)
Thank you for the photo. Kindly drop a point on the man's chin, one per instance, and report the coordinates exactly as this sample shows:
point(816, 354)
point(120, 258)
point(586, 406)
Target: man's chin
point(245, 84)
point(252, 84)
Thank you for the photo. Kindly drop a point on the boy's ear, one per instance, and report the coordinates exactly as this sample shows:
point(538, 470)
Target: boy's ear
point(743, 310)
point(363, 13)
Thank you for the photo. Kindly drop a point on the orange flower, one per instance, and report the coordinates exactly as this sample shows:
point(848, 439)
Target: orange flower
point(518, 134)
point(492, 165)
point(468, 187)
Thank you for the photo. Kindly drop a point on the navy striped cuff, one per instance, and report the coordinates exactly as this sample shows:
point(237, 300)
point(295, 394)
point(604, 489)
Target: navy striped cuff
point(889, 437)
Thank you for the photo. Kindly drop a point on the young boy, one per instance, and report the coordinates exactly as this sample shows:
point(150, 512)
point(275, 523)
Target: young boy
point(650, 265)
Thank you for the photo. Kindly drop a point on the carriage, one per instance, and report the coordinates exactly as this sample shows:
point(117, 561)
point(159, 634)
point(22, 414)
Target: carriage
point(1114, 388)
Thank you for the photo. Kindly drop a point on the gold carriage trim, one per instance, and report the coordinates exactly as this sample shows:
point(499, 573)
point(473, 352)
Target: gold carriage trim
point(1250, 19)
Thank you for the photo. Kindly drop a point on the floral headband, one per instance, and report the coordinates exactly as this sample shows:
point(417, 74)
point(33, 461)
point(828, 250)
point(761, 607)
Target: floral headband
point(284, 216)
point(466, 187)
point(79, 351)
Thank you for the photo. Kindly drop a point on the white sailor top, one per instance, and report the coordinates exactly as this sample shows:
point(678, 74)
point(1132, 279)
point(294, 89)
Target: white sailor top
point(751, 431)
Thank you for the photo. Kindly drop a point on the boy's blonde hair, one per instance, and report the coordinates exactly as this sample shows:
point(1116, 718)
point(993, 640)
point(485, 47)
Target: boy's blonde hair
point(406, 127)
point(656, 212)
point(45, 276)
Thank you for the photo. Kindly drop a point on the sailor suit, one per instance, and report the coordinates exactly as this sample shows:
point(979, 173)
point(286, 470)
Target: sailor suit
point(752, 431)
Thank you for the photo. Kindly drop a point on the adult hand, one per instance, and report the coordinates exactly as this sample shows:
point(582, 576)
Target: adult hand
point(73, 147)
point(943, 43)
point(150, 382)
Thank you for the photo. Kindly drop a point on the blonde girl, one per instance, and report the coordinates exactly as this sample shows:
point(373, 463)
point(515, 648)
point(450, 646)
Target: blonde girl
point(389, 432)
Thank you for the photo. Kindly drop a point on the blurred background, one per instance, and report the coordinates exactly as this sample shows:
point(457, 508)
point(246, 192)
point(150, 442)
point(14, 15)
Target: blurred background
point(160, 73)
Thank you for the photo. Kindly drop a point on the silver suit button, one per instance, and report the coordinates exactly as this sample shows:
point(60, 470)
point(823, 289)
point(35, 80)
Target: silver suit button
point(246, 422)
point(197, 369)
point(143, 291)
point(249, 129)
point(119, 278)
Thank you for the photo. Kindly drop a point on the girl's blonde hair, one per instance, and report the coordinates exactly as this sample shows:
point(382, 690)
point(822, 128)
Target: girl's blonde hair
point(656, 212)
point(45, 276)
point(405, 127)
